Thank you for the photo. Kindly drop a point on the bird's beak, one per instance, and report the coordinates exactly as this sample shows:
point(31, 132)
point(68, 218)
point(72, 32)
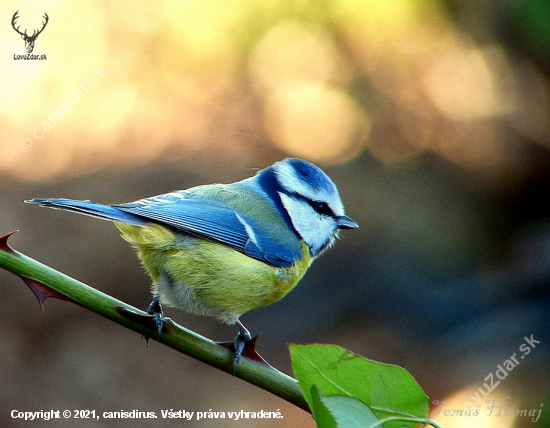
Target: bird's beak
point(344, 222)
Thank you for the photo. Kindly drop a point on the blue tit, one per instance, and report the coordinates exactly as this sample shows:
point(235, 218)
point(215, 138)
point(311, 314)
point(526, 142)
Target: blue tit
point(224, 249)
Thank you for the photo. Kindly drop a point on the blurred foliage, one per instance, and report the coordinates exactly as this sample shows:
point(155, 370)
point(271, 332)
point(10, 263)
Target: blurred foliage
point(432, 117)
point(321, 80)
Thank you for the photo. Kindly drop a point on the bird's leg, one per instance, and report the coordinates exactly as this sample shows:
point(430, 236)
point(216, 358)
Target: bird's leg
point(155, 309)
point(242, 339)
point(154, 313)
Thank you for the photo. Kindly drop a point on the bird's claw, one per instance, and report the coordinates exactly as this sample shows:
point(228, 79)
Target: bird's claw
point(159, 322)
point(154, 314)
point(155, 309)
point(244, 345)
point(241, 341)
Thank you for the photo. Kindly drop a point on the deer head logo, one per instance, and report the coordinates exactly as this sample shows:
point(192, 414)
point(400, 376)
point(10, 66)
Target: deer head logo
point(29, 40)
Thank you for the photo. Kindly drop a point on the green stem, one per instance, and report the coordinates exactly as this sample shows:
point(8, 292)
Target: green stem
point(176, 336)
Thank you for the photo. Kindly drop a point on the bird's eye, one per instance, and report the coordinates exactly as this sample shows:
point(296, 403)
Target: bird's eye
point(322, 208)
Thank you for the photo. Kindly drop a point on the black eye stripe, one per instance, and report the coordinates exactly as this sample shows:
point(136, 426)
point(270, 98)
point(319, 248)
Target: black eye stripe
point(321, 208)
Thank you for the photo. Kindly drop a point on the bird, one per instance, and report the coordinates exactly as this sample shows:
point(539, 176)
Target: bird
point(221, 250)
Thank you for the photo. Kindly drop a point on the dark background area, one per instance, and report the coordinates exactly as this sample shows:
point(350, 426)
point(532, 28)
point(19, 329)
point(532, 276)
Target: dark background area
point(433, 119)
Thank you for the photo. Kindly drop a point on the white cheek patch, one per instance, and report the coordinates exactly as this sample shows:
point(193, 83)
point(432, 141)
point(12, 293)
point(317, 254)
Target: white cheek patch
point(316, 230)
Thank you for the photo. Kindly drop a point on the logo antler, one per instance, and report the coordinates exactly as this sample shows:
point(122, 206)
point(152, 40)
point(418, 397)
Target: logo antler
point(29, 40)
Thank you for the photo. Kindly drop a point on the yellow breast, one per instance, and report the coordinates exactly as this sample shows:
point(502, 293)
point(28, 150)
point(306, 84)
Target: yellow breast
point(209, 278)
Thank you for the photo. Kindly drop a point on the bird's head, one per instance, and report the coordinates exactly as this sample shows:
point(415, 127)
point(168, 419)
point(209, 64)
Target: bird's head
point(310, 199)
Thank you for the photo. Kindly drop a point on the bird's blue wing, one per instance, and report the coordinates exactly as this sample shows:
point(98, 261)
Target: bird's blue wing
point(213, 220)
point(202, 216)
point(90, 208)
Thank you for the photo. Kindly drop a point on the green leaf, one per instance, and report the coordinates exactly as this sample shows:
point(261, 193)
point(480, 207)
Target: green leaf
point(321, 413)
point(340, 412)
point(387, 389)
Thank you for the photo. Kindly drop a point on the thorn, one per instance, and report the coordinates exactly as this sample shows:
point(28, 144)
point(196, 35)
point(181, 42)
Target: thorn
point(4, 243)
point(248, 351)
point(42, 291)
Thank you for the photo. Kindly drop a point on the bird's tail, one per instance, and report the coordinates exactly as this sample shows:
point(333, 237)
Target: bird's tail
point(91, 208)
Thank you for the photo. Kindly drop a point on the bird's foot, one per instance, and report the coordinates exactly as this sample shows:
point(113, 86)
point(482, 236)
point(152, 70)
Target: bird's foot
point(154, 313)
point(242, 340)
point(155, 309)
point(244, 345)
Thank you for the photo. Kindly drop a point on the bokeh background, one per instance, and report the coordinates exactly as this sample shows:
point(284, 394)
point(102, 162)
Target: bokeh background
point(432, 116)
